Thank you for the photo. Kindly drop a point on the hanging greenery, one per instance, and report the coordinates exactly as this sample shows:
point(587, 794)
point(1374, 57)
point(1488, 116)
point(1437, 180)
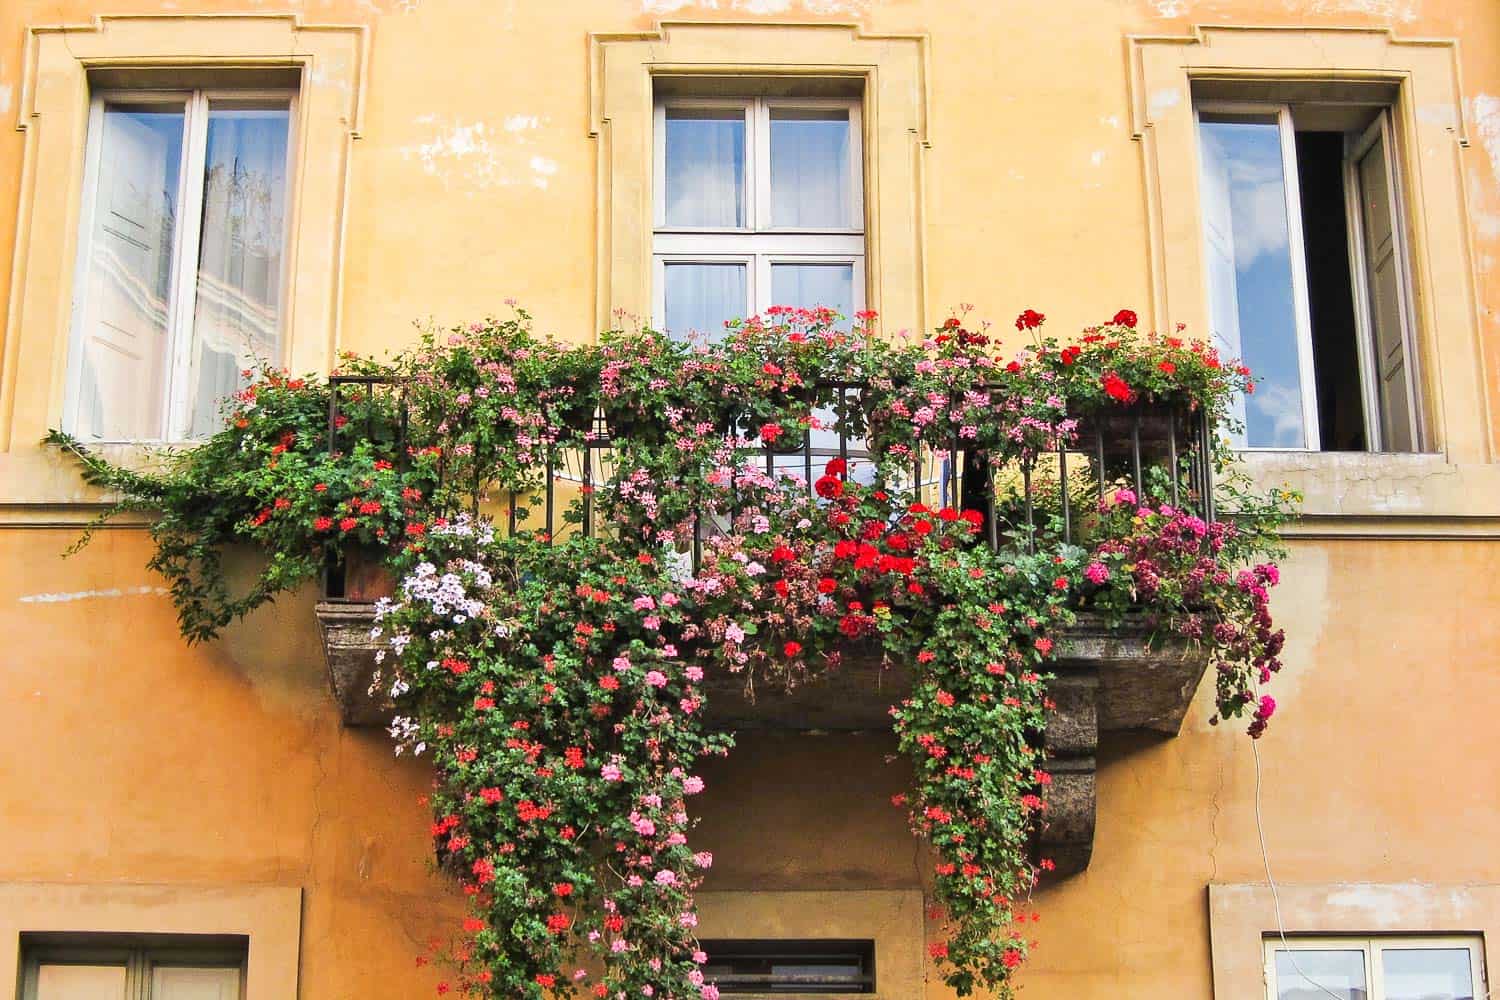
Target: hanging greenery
point(558, 683)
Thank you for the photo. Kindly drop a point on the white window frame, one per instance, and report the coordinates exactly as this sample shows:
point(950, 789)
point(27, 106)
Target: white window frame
point(1364, 333)
point(1371, 947)
point(137, 957)
point(182, 294)
point(1301, 308)
point(757, 245)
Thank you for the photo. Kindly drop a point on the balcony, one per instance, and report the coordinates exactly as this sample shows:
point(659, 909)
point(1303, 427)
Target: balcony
point(1108, 680)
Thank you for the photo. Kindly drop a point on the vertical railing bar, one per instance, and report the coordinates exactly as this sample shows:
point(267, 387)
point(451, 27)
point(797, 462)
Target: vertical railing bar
point(1135, 455)
point(370, 411)
point(1172, 452)
point(402, 447)
point(916, 473)
point(510, 516)
point(333, 415)
point(697, 539)
point(1062, 478)
point(989, 510)
point(843, 432)
point(1208, 469)
point(807, 464)
point(588, 489)
point(1026, 490)
point(551, 528)
point(1099, 448)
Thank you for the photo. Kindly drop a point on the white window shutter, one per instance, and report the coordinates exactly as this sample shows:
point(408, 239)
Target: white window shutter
point(1388, 315)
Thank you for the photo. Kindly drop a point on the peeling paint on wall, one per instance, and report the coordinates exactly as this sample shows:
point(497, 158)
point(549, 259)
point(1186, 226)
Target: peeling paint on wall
point(1486, 114)
point(1403, 10)
point(5, 95)
point(824, 8)
point(84, 595)
point(1170, 8)
point(1161, 100)
point(474, 155)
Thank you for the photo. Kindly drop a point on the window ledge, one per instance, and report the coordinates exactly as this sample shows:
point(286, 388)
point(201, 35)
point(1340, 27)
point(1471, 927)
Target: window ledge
point(1382, 493)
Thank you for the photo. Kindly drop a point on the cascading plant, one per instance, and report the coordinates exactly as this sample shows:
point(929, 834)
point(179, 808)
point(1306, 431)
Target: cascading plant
point(559, 685)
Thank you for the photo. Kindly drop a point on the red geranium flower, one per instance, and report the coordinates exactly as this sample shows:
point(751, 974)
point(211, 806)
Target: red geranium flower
point(1124, 318)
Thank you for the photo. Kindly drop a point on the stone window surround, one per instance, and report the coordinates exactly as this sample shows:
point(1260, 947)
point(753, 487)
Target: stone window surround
point(36, 485)
point(1242, 917)
point(893, 72)
point(892, 918)
point(270, 916)
point(1456, 490)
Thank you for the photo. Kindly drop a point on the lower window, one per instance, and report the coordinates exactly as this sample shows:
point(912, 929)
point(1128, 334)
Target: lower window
point(1380, 968)
point(769, 968)
point(121, 967)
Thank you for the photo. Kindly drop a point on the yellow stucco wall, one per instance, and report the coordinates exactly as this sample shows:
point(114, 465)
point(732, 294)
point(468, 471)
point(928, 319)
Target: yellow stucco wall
point(126, 756)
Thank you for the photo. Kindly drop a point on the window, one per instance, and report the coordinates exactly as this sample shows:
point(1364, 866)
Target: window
point(802, 967)
point(120, 967)
point(181, 258)
point(1383, 968)
point(759, 202)
point(1307, 272)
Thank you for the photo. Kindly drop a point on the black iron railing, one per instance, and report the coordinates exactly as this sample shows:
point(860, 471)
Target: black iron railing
point(1160, 451)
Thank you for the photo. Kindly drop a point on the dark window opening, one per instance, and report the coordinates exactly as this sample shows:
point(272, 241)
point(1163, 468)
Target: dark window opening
point(797, 966)
point(1330, 291)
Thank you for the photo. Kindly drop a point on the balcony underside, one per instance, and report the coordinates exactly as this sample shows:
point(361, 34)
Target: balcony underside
point(1107, 680)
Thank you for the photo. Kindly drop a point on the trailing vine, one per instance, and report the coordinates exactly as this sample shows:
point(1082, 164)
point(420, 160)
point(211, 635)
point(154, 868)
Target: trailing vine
point(558, 684)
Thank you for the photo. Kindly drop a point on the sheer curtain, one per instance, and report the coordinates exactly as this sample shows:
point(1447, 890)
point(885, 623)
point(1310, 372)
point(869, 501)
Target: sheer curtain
point(810, 187)
point(123, 362)
point(237, 313)
point(700, 298)
point(705, 167)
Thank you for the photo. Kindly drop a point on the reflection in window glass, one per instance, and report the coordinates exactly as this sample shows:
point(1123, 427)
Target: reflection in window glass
point(57, 981)
point(810, 285)
point(1250, 272)
point(1313, 975)
point(810, 170)
point(237, 316)
point(705, 167)
point(1427, 974)
point(126, 333)
point(701, 298)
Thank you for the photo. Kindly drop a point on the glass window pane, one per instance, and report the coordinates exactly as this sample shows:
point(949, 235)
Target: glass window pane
point(1314, 975)
point(1253, 312)
point(1427, 974)
point(80, 982)
point(810, 169)
point(195, 983)
point(127, 287)
point(701, 298)
point(705, 167)
point(809, 285)
point(237, 314)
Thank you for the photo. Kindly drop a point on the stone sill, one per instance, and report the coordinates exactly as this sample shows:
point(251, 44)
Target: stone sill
point(1107, 680)
point(1389, 489)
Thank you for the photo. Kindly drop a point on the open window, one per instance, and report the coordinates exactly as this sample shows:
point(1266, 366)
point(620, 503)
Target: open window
point(181, 257)
point(1307, 268)
point(759, 202)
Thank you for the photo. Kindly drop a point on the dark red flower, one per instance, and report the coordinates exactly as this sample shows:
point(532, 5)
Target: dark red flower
point(1124, 317)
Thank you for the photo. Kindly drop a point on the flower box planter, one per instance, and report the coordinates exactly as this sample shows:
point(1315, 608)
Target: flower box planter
point(1108, 680)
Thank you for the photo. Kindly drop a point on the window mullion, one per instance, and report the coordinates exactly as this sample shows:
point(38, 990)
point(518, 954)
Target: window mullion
point(185, 265)
point(761, 146)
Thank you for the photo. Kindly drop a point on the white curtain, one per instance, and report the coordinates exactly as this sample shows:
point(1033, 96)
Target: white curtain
point(810, 169)
point(700, 298)
point(705, 168)
point(237, 317)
